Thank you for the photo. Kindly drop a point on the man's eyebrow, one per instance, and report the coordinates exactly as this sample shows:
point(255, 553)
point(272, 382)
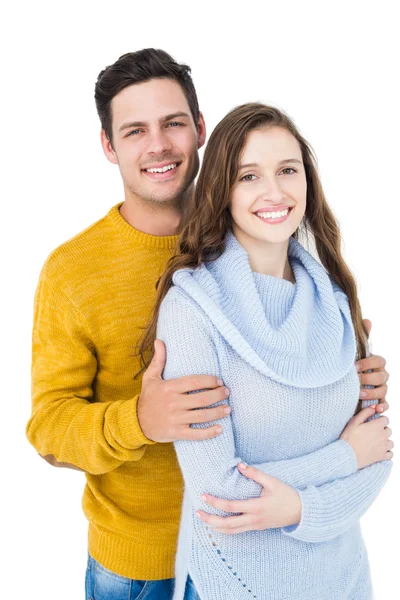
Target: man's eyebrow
point(173, 116)
point(282, 162)
point(160, 120)
point(132, 124)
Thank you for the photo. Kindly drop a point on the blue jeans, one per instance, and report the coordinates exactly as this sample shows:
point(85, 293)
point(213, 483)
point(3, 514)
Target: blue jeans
point(102, 584)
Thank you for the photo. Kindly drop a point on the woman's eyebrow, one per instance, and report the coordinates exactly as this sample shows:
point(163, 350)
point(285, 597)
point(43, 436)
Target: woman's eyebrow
point(248, 165)
point(282, 162)
point(289, 160)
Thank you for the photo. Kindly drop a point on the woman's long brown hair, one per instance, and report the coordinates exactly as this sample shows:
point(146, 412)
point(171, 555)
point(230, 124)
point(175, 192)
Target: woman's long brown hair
point(202, 235)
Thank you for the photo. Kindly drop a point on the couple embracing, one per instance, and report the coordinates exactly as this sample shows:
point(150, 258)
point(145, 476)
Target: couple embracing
point(205, 369)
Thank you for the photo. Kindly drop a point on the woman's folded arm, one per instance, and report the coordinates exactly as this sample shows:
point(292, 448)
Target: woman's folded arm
point(330, 509)
point(210, 466)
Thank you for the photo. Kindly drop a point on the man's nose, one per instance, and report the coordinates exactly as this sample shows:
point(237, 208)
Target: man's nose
point(158, 142)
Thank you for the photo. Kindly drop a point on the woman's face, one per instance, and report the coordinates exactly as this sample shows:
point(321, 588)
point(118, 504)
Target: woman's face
point(268, 200)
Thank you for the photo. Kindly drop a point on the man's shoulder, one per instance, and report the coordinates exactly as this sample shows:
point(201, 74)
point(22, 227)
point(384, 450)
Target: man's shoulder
point(82, 255)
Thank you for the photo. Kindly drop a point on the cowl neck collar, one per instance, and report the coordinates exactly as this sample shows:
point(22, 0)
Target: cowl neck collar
point(298, 334)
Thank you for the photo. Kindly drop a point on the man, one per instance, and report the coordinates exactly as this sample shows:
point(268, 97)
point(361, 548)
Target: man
point(93, 300)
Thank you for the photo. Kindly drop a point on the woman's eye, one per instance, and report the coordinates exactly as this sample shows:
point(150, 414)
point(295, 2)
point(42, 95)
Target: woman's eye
point(245, 177)
point(289, 169)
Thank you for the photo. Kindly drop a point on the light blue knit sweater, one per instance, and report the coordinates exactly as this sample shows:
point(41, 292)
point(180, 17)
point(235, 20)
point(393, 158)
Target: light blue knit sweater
point(286, 352)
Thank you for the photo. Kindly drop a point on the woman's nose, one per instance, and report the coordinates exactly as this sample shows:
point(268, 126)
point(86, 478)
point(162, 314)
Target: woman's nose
point(272, 191)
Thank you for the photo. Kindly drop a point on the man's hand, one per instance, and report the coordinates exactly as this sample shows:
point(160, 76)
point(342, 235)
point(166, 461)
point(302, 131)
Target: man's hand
point(166, 410)
point(278, 506)
point(378, 377)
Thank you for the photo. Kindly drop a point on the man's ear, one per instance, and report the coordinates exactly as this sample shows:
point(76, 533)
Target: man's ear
point(201, 131)
point(107, 148)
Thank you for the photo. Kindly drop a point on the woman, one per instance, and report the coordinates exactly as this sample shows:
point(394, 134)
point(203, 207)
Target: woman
point(245, 301)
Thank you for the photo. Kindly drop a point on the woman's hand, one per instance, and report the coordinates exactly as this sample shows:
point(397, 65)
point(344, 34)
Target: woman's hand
point(278, 506)
point(370, 441)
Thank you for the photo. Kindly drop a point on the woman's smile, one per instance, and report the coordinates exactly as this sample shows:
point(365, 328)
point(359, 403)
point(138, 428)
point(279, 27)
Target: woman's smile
point(273, 217)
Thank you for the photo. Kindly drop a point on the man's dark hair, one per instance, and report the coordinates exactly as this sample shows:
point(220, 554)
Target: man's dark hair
point(138, 67)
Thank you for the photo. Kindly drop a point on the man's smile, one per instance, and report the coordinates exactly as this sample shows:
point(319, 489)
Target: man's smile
point(161, 172)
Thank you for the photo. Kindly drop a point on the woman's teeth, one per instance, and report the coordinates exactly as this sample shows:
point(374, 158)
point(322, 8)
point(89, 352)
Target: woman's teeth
point(273, 215)
point(162, 169)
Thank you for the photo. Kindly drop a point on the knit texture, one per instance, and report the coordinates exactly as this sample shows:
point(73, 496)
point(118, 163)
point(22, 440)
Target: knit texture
point(94, 297)
point(286, 352)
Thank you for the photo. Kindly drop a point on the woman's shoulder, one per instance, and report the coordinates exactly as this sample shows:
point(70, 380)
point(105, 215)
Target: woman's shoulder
point(178, 304)
point(175, 296)
point(180, 318)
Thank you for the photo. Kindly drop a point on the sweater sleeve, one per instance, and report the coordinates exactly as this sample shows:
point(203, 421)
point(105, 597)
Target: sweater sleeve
point(331, 509)
point(210, 466)
point(66, 421)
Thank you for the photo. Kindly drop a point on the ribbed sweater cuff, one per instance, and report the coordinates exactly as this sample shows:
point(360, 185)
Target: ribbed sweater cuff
point(329, 510)
point(129, 426)
point(343, 460)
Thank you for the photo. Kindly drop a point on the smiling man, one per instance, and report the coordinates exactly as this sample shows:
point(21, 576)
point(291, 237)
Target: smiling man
point(94, 297)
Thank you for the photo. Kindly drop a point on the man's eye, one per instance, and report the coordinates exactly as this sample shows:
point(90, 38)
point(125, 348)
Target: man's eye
point(134, 132)
point(174, 123)
point(245, 177)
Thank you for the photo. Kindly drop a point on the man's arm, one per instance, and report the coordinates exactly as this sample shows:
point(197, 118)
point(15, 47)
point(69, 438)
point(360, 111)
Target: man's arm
point(54, 463)
point(69, 429)
point(66, 425)
point(373, 375)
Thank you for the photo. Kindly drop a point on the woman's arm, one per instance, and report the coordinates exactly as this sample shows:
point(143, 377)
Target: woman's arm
point(331, 509)
point(210, 466)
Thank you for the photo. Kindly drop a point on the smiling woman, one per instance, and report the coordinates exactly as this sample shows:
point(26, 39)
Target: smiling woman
point(267, 193)
point(243, 300)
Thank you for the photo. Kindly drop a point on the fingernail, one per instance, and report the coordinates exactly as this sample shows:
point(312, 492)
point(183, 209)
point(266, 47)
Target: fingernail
point(226, 392)
point(204, 498)
point(380, 409)
point(219, 429)
point(227, 410)
point(242, 466)
point(198, 515)
point(220, 382)
point(363, 394)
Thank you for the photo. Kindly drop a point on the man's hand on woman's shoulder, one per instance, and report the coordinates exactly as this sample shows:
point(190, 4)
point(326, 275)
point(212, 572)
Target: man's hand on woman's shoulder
point(378, 377)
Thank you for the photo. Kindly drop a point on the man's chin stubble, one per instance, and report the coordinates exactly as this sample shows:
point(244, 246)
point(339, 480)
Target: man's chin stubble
point(176, 201)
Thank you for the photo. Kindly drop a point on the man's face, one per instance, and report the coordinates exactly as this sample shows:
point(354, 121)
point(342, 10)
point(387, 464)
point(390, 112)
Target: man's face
point(154, 141)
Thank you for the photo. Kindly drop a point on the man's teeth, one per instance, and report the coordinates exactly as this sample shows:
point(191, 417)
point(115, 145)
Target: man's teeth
point(273, 215)
point(162, 169)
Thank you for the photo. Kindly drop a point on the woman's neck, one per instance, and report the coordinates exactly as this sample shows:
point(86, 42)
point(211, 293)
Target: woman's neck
point(267, 258)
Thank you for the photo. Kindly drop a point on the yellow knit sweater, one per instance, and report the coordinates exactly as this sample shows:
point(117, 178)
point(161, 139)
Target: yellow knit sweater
point(94, 296)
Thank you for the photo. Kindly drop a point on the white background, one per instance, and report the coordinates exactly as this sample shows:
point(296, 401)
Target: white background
point(332, 66)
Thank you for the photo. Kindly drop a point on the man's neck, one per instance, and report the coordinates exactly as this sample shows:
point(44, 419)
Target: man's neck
point(154, 219)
